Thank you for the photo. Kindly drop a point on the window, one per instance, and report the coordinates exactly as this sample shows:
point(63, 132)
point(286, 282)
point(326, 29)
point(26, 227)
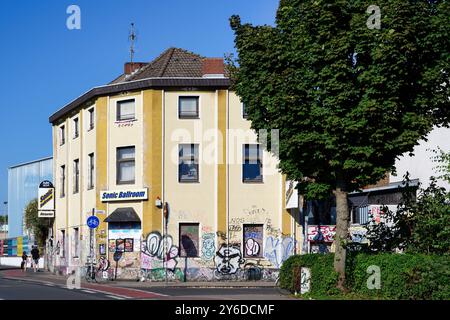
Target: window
point(76, 176)
point(188, 108)
point(125, 165)
point(189, 240)
point(253, 240)
point(125, 110)
point(62, 135)
point(76, 237)
point(63, 181)
point(63, 244)
point(91, 170)
point(252, 163)
point(76, 128)
point(244, 111)
point(188, 163)
point(91, 119)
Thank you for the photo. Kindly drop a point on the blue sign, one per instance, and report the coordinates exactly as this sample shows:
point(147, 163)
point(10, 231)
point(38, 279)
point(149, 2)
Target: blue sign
point(93, 222)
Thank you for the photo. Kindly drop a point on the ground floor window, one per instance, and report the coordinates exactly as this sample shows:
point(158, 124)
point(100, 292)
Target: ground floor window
point(189, 240)
point(253, 240)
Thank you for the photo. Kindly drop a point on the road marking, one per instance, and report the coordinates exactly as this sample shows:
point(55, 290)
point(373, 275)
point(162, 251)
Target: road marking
point(115, 297)
point(87, 291)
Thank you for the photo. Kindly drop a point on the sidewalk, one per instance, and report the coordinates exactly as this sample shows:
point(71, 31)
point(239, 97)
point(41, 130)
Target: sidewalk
point(44, 276)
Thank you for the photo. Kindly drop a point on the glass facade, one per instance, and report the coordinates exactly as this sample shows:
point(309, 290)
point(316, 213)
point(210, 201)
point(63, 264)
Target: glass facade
point(23, 184)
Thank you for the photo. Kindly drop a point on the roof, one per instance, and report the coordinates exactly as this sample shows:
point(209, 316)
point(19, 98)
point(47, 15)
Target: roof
point(123, 215)
point(391, 186)
point(30, 162)
point(174, 68)
point(174, 62)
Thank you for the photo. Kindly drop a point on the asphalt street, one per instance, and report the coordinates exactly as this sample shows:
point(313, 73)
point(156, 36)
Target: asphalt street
point(27, 288)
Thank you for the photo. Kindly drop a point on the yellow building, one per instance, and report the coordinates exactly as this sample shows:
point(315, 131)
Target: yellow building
point(165, 157)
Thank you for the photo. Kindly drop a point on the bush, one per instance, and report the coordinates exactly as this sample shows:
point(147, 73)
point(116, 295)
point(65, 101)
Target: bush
point(323, 276)
point(403, 276)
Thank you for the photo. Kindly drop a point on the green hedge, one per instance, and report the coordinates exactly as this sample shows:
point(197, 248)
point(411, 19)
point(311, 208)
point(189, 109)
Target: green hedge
point(323, 276)
point(403, 276)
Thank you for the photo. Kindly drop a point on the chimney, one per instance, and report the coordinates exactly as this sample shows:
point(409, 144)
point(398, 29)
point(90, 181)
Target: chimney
point(213, 68)
point(131, 67)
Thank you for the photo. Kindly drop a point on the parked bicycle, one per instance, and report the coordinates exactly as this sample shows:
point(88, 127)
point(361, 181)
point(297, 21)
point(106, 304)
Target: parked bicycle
point(91, 272)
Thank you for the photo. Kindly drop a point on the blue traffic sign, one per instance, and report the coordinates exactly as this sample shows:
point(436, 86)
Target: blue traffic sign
point(93, 222)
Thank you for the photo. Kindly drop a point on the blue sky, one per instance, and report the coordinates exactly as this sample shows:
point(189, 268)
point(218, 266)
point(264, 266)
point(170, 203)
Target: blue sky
point(44, 65)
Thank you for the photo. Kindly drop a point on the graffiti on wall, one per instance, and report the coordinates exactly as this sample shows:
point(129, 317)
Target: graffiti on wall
point(358, 235)
point(253, 238)
point(328, 233)
point(228, 260)
point(162, 248)
point(278, 250)
point(208, 246)
point(252, 248)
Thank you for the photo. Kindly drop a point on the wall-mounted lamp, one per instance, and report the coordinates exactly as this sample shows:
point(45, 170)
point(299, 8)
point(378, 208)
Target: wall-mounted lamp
point(158, 203)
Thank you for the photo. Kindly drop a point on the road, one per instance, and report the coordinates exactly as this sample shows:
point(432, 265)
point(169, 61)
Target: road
point(15, 288)
point(25, 290)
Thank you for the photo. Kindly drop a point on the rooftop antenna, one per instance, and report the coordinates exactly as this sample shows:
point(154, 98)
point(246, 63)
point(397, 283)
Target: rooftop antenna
point(132, 38)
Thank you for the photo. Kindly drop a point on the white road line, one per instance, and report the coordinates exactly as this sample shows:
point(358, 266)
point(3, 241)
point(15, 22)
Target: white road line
point(115, 297)
point(87, 291)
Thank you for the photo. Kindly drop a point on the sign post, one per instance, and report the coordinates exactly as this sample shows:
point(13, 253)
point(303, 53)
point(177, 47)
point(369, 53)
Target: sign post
point(46, 203)
point(93, 222)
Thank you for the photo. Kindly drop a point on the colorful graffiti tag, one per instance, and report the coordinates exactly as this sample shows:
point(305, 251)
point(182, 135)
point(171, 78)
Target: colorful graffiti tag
point(162, 248)
point(278, 250)
point(208, 246)
point(228, 260)
point(328, 233)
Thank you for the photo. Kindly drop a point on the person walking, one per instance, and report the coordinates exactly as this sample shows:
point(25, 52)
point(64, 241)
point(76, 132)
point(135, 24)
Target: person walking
point(23, 265)
point(35, 256)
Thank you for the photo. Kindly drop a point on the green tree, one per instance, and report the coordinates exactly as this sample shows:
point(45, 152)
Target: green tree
point(38, 226)
point(3, 220)
point(347, 99)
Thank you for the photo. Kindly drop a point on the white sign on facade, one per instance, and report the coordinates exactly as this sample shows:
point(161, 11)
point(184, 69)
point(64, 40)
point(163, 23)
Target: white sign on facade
point(291, 195)
point(46, 200)
point(124, 195)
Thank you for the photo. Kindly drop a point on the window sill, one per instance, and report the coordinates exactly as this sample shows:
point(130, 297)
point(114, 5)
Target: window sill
point(188, 118)
point(123, 183)
point(189, 181)
point(253, 181)
point(125, 121)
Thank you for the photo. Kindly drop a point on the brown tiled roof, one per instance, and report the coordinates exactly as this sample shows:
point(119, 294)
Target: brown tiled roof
point(174, 68)
point(172, 63)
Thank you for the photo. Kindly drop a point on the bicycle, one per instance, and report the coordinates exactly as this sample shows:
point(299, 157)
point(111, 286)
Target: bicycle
point(91, 273)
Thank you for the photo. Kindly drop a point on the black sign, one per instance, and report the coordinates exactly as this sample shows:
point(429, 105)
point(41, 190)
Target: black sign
point(117, 256)
point(46, 184)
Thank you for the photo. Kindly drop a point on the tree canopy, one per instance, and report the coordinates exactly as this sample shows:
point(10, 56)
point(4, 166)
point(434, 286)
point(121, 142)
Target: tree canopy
point(347, 99)
point(347, 96)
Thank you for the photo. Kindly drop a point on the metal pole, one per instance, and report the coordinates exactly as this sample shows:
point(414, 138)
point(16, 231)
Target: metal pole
point(91, 232)
point(165, 241)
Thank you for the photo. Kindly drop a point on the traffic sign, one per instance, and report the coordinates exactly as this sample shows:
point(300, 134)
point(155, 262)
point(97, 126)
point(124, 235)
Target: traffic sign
point(93, 222)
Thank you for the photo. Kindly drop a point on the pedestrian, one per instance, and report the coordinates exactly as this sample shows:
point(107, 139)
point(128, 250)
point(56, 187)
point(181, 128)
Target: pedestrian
point(35, 256)
point(23, 265)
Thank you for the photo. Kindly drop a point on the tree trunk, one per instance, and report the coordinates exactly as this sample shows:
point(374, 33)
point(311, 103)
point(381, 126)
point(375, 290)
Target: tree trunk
point(342, 222)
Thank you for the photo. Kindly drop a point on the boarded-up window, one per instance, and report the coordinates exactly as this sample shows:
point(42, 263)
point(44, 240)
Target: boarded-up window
point(189, 240)
point(253, 240)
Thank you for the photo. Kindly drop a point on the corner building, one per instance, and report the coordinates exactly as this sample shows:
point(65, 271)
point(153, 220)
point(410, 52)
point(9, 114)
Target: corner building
point(165, 158)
